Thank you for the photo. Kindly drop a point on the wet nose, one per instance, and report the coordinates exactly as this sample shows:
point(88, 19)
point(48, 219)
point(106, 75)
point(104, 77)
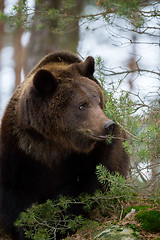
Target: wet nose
point(109, 125)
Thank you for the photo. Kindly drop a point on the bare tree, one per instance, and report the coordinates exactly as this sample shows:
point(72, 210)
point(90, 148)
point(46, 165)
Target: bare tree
point(18, 50)
point(1, 39)
point(45, 40)
point(1, 25)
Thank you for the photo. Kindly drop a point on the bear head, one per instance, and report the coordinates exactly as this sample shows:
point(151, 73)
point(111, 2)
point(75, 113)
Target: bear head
point(63, 104)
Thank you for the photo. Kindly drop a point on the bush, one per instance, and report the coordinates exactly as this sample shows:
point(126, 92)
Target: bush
point(47, 220)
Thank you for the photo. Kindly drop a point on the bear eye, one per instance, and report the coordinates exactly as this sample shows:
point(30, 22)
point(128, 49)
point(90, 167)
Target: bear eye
point(82, 107)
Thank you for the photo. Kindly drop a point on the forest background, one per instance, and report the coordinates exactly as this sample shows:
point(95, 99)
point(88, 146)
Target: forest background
point(124, 38)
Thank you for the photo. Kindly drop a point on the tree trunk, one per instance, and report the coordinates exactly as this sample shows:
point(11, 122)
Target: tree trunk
point(1, 42)
point(1, 25)
point(43, 41)
point(18, 55)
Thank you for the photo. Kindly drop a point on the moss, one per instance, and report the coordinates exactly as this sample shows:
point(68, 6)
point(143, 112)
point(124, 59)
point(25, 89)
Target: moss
point(150, 220)
point(89, 224)
point(135, 230)
point(114, 232)
point(137, 208)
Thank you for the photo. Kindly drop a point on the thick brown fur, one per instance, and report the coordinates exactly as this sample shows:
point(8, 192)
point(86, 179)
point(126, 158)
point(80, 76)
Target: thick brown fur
point(53, 135)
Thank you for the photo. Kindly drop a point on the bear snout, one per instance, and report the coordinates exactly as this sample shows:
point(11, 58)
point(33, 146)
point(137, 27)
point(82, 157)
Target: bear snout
point(109, 124)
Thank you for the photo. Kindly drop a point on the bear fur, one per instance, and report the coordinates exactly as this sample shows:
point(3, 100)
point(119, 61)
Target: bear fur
point(53, 135)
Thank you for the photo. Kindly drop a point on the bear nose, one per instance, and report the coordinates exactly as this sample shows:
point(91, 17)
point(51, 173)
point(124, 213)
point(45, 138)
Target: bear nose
point(109, 125)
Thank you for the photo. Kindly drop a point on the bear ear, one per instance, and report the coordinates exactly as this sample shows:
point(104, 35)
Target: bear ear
point(87, 67)
point(44, 82)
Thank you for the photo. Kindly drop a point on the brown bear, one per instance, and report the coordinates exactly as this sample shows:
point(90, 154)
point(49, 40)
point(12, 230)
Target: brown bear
point(53, 134)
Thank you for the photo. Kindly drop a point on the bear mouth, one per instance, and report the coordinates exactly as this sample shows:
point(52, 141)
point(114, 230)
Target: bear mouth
point(89, 134)
point(99, 137)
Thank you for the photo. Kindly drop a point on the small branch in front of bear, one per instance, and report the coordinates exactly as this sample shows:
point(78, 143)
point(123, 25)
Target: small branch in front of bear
point(127, 131)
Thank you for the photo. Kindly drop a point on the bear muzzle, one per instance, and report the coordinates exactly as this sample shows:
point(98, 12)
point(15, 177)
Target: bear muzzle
point(109, 127)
